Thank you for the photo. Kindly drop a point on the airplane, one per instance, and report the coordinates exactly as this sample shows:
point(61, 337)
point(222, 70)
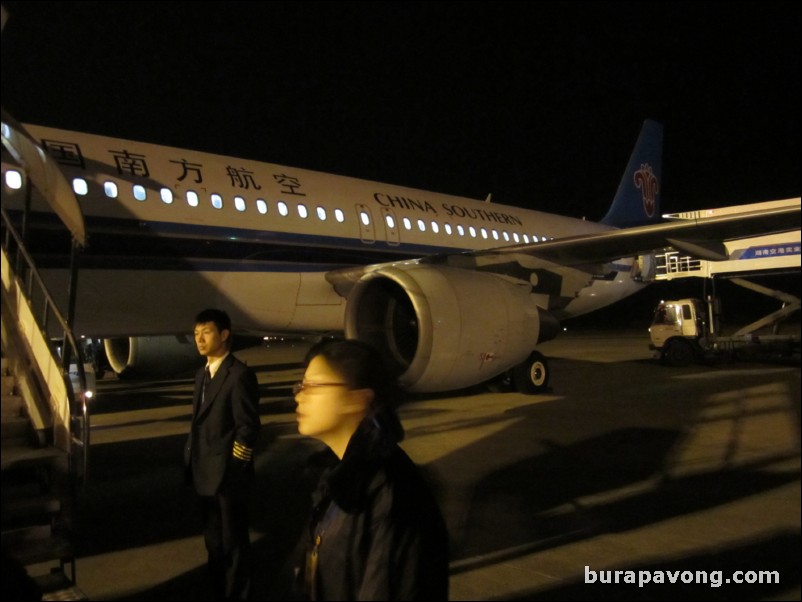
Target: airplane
point(453, 291)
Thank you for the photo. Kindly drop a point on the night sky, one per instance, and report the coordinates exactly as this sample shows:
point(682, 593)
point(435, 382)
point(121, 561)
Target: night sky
point(538, 103)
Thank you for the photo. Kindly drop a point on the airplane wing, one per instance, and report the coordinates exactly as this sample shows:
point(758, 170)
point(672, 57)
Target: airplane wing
point(702, 238)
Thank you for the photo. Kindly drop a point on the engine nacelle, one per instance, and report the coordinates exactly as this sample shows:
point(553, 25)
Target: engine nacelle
point(444, 328)
point(156, 356)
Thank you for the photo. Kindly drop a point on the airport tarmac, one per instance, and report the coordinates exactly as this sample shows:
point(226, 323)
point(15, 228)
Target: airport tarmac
point(625, 465)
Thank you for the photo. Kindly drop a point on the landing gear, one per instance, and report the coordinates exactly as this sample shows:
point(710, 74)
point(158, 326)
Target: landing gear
point(94, 354)
point(532, 375)
point(529, 377)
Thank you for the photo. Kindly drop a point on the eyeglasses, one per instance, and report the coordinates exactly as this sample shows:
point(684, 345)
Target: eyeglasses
point(298, 387)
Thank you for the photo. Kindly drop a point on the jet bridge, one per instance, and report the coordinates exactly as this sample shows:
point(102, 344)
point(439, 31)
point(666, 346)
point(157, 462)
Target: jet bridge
point(774, 254)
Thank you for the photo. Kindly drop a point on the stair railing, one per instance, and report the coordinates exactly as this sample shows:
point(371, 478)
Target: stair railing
point(21, 276)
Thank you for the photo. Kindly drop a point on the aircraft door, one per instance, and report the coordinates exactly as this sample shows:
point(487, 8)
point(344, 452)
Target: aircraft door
point(367, 229)
point(644, 268)
point(390, 227)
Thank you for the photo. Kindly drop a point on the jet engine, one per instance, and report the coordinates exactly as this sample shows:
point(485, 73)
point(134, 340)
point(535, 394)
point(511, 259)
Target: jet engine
point(443, 328)
point(153, 356)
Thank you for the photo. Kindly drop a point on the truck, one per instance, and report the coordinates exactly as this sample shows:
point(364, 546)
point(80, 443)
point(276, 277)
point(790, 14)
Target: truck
point(684, 331)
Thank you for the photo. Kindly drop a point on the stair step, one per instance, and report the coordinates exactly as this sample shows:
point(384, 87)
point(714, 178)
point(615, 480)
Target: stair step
point(34, 550)
point(23, 486)
point(22, 535)
point(15, 430)
point(7, 384)
point(25, 457)
point(57, 586)
point(11, 405)
point(28, 509)
point(15, 442)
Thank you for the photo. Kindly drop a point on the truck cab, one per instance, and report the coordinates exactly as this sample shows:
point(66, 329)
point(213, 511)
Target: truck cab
point(676, 331)
point(687, 330)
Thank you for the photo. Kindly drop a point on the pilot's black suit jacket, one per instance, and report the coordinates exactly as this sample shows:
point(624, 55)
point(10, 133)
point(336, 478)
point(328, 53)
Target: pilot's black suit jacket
point(229, 416)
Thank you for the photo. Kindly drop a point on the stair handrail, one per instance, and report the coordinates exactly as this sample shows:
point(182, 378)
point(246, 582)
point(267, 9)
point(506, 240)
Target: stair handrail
point(78, 408)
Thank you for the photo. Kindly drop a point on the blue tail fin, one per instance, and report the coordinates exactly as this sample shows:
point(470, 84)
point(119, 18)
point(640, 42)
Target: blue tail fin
point(637, 200)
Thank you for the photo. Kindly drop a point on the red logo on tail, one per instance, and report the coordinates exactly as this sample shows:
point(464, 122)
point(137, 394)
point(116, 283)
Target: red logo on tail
point(649, 188)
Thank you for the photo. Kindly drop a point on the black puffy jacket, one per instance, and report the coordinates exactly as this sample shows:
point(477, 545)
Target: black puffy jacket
point(376, 528)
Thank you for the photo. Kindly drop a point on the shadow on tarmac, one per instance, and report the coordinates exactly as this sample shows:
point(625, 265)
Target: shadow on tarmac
point(158, 507)
point(136, 495)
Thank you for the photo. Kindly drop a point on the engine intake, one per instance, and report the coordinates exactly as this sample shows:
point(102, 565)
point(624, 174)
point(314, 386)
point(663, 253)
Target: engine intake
point(156, 356)
point(444, 328)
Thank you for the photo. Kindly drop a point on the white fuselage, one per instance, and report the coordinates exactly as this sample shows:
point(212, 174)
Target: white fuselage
point(172, 230)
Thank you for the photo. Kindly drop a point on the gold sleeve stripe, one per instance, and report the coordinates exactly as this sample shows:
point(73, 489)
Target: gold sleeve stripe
point(242, 452)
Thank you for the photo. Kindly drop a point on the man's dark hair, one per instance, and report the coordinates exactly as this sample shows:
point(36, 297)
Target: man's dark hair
point(218, 316)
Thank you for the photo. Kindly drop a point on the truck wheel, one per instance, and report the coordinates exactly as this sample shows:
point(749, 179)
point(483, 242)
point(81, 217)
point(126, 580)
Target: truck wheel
point(678, 353)
point(532, 375)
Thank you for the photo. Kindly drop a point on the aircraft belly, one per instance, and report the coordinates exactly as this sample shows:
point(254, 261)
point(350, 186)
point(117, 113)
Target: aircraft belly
point(601, 293)
point(149, 302)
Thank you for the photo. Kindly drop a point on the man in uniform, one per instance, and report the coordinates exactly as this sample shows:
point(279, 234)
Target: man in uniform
point(219, 453)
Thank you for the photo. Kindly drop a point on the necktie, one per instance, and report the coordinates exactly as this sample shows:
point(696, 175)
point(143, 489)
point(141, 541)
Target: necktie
point(207, 377)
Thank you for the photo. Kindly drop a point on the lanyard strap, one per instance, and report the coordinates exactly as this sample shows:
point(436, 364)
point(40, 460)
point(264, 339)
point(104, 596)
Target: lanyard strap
point(310, 574)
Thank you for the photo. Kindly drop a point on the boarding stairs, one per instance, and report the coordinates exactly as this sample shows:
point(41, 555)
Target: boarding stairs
point(44, 435)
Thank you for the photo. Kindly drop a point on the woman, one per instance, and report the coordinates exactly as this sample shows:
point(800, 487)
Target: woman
point(376, 531)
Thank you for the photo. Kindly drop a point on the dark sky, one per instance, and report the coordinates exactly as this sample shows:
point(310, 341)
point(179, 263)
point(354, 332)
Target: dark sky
point(538, 103)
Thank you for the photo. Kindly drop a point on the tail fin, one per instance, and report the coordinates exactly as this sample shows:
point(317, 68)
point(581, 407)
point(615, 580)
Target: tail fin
point(637, 200)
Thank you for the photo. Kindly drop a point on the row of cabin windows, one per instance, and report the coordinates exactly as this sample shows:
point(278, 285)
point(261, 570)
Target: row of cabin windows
point(13, 180)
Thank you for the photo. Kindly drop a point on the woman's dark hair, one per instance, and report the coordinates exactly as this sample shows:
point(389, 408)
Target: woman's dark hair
point(362, 367)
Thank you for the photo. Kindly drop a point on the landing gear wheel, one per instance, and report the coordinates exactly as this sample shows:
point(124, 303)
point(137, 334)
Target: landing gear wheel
point(532, 375)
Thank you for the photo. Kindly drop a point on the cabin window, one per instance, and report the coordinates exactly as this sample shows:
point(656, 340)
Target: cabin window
point(239, 203)
point(388, 219)
point(421, 225)
point(460, 230)
point(303, 211)
point(166, 195)
point(192, 198)
point(339, 215)
point(506, 236)
point(217, 201)
point(261, 206)
point(80, 186)
point(484, 232)
point(447, 228)
point(526, 238)
point(364, 218)
point(110, 189)
point(140, 194)
point(283, 209)
point(472, 231)
point(407, 224)
point(321, 213)
point(435, 227)
point(13, 179)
